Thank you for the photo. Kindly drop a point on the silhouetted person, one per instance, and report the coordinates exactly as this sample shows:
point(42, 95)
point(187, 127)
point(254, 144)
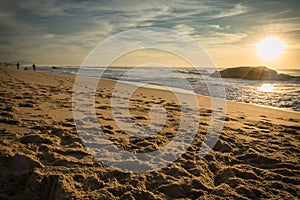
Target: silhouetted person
point(33, 67)
point(18, 65)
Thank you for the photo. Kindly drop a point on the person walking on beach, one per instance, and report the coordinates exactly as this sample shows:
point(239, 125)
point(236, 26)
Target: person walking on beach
point(18, 65)
point(33, 67)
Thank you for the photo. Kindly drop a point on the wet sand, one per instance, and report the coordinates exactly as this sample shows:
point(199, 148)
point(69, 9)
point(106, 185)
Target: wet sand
point(42, 156)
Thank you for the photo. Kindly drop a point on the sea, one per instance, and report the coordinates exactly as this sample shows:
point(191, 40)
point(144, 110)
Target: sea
point(271, 93)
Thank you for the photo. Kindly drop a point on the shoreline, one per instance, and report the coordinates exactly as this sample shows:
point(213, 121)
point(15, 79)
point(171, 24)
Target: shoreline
point(179, 90)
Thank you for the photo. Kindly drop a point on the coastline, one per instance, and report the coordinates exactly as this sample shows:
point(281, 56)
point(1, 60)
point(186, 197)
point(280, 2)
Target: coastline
point(181, 90)
point(256, 156)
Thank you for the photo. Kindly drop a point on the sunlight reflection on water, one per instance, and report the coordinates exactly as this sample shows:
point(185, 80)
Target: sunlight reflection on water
point(267, 87)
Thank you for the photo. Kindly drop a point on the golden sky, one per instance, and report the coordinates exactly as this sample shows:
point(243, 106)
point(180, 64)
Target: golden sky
point(64, 32)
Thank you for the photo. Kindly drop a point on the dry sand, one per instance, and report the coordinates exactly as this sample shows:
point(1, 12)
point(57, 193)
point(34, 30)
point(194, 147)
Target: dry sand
point(42, 156)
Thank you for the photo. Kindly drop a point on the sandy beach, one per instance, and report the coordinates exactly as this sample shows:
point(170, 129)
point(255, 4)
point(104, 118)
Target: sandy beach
point(42, 157)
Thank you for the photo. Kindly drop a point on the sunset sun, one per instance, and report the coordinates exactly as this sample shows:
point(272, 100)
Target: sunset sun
point(270, 48)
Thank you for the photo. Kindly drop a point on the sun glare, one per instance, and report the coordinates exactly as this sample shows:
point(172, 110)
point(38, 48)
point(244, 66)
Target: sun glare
point(270, 48)
point(266, 88)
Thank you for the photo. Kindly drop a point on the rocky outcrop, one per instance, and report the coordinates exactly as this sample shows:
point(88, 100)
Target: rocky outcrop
point(251, 73)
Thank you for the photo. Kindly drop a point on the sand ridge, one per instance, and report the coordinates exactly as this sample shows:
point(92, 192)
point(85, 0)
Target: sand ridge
point(42, 156)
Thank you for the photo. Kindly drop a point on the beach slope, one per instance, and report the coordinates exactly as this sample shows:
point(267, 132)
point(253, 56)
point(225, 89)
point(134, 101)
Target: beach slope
point(42, 156)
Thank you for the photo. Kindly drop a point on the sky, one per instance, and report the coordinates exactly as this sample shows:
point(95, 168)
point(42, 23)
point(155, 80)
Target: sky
point(64, 32)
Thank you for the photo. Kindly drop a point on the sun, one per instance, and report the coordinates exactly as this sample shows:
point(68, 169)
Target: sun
point(270, 48)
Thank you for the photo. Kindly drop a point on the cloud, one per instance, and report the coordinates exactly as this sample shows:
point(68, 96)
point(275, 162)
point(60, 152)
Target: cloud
point(45, 8)
point(219, 39)
point(236, 10)
point(184, 29)
point(72, 27)
point(218, 27)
